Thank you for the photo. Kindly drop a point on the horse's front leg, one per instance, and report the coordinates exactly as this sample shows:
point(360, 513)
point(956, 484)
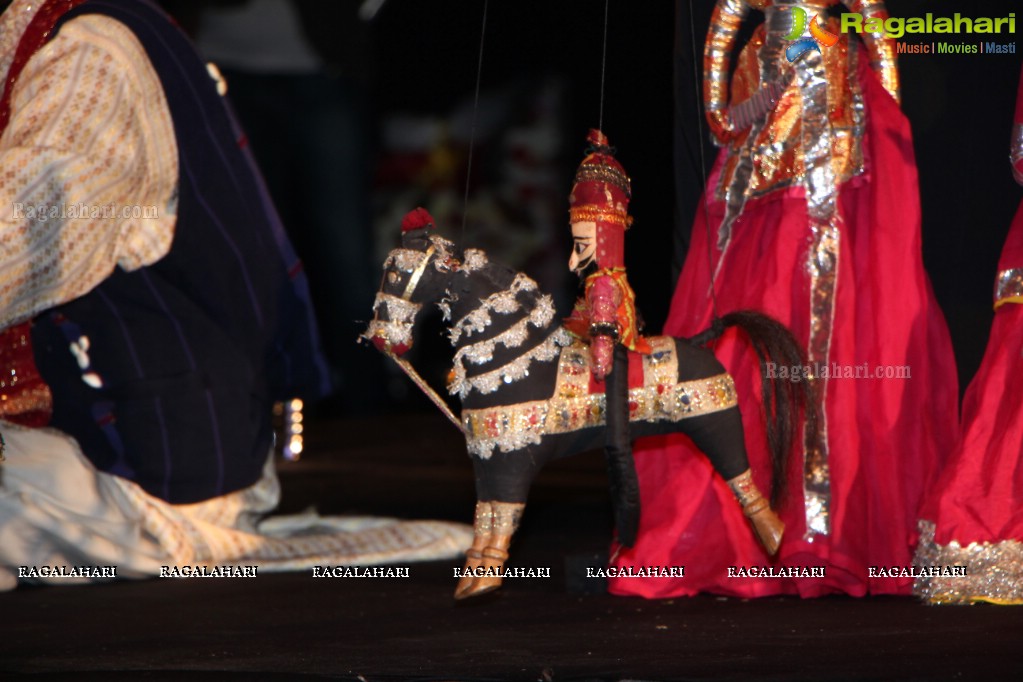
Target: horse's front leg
point(483, 529)
point(496, 523)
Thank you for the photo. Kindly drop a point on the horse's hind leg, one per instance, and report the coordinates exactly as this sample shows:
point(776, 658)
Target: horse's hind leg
point(720, 436)
point(766, 524)
point(496, 523)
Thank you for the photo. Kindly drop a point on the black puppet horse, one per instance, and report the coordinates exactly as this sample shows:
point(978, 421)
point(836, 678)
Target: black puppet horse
point(526, 400)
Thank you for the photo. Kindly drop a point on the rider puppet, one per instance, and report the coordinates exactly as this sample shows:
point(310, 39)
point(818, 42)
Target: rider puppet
point(605, 317)
point(605, 314)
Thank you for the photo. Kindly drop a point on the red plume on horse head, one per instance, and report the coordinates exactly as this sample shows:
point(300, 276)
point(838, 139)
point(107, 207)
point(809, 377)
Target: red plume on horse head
point(416, 227)
point(416, 219)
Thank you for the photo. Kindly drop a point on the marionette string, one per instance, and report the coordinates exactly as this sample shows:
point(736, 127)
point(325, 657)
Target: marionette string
point(603, 68)
point(472, 130)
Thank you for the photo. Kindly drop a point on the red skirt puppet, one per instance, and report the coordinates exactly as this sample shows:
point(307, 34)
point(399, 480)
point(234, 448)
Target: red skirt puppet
point(974, 519)
point(829, 244)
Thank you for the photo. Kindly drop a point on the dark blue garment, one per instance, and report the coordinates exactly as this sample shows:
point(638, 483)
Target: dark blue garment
point(193, 350)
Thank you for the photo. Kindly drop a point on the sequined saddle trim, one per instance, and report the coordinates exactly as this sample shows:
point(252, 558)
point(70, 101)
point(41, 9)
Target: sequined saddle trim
point(572, 407)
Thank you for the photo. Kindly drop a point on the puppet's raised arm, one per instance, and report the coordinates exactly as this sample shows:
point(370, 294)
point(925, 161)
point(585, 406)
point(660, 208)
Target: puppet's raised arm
point(717, 52)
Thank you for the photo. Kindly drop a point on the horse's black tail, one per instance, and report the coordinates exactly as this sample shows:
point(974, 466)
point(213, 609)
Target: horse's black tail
point(785, 393)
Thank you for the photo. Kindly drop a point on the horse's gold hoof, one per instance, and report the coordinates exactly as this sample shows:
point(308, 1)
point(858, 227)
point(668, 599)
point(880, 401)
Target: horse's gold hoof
point(486, 576)
point(479, 587)
point(473, 560)
point(464, 587)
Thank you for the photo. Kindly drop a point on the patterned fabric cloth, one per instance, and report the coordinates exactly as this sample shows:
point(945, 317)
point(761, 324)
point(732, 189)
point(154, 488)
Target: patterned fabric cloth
point(88, 184)
point(91, 146)
point(57, 510)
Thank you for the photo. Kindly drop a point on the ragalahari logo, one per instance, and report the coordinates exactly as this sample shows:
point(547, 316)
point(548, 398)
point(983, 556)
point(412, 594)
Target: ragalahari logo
point(818, 35)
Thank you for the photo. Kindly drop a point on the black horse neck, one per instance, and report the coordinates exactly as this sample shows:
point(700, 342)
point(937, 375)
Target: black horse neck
point(506, 335)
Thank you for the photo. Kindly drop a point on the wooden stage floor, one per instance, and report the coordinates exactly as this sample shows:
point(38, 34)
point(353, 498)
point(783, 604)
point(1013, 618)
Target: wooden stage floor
point(292, 626)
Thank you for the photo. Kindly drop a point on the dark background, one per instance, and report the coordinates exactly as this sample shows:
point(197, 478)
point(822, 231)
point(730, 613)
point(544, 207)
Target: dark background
point(421, 58)
point(960, 107)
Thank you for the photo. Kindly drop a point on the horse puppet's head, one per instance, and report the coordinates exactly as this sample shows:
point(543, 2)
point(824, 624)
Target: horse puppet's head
point(418, 272)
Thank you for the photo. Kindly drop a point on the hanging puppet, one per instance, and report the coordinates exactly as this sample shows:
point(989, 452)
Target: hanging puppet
point(973, 517)
point(811, 214)
point(533, 391)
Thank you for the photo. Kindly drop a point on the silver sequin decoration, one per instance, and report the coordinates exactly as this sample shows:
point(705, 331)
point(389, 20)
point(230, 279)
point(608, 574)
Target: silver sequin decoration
point(511, 372)
point(482, 352)
point(474, 260)
point(817, 142)
point(503, 302)
point(507, 516)
point(994, 570)
point(405, 260)
point(822, 267)
point(509, 428)
point(1009, 284)
point(1016, 151)
point(397, 328)
point(735, 194)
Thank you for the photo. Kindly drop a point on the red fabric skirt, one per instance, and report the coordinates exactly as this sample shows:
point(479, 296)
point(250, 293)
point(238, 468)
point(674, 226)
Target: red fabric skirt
point(979, 497)
point(887, 436)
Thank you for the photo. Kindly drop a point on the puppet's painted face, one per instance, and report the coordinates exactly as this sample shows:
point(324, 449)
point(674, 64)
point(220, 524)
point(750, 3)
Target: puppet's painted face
point(584, 247)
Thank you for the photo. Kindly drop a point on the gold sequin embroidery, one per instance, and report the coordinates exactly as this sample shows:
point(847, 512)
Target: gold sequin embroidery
point(573, 407)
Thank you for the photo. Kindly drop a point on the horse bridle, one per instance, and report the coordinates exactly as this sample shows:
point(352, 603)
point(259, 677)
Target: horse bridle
point(417, 274)
point(410, 288)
